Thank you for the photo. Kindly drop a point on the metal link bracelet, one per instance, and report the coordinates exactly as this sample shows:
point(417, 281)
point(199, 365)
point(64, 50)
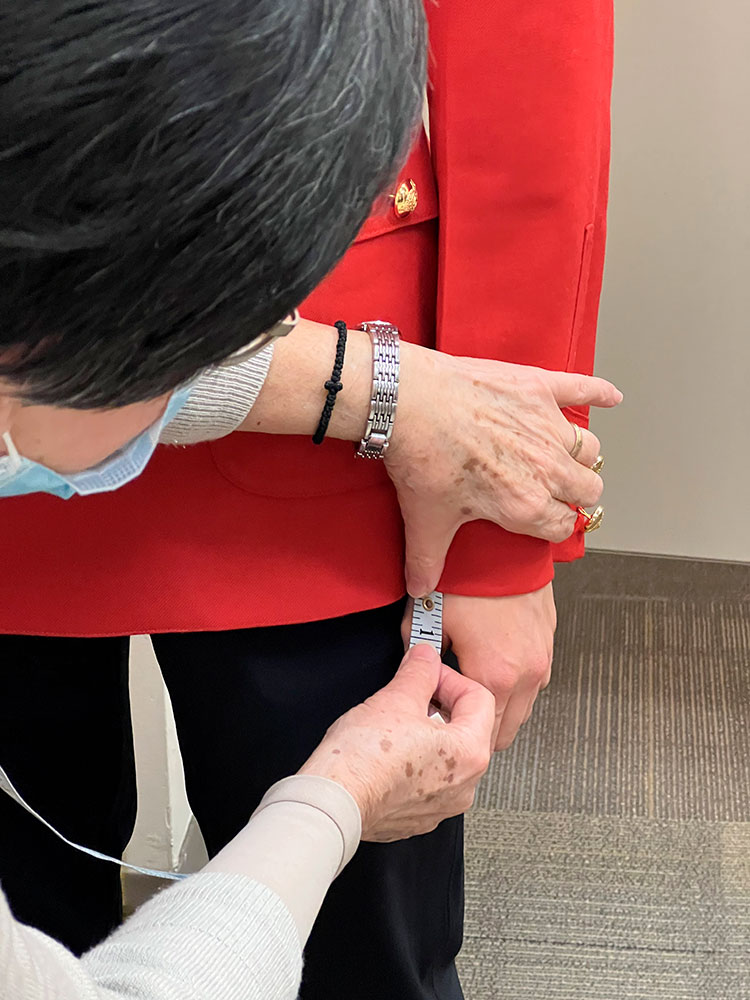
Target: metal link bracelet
point(384, 398)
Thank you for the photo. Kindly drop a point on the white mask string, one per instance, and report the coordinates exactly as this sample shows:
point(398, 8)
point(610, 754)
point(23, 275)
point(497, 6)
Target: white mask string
point(15, 458)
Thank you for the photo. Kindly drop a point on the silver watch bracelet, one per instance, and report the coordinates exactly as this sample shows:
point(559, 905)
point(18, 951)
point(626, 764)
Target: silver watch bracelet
point(384, 397)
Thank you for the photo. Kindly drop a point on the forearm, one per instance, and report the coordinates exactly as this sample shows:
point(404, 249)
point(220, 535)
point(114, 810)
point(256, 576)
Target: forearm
point(281, 390)
point(293, 394)
point(296, 848)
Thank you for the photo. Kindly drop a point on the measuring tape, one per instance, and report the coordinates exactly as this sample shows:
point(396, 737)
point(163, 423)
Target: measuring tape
point(427, 621)
point(7, 786)
point(427, 626)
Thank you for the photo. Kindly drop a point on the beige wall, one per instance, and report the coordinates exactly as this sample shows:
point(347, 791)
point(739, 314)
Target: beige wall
point(675, 318)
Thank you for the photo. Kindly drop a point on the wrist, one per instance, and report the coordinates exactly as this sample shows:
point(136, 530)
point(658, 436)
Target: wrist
point(418, 367)
point(352, 408)
point(293, 394)
point(330, 797)
point(323, 764)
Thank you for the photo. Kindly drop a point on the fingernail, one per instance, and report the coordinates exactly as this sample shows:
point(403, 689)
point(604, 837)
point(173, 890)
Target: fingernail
point(422, 652)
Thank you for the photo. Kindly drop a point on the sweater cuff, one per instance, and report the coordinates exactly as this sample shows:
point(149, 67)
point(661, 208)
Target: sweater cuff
point(219, 401)
point(330, 798)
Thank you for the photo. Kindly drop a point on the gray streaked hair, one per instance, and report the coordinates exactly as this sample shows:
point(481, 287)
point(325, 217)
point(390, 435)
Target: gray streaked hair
point(176, 175)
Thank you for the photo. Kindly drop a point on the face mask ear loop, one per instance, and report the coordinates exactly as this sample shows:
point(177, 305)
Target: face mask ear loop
point(15, 458)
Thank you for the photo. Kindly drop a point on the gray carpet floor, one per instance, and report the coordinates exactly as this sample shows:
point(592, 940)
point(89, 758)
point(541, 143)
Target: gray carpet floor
point(608, 855)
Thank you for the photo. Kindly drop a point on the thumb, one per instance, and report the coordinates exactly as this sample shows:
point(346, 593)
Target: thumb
point(427, 542)
point(418, 676)
point(468, 703)
point(571, 389)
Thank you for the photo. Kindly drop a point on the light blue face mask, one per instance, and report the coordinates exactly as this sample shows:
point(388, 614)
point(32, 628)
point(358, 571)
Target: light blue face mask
point(19, 475)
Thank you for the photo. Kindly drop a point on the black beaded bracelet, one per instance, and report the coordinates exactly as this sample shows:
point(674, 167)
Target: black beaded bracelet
point(333, 385)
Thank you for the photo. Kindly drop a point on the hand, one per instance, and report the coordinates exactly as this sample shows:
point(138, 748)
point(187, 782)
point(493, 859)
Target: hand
point(486, 440)
point(504, 643)
point(406, 771)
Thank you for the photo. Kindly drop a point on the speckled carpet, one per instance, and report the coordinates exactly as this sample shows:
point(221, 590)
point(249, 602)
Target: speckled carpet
point(608, 856)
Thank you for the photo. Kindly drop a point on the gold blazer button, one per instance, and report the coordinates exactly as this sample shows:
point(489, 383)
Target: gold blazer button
point(405, 199)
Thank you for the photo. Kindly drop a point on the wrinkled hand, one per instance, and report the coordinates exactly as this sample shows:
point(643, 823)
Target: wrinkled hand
point(485, 440)
point(406, 771)
point(504, 643)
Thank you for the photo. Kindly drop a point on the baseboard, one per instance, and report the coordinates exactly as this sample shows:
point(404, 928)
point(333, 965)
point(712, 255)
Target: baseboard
point(635, 574)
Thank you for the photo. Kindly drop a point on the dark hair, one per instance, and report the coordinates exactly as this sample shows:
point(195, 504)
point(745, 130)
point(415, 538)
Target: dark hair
point(175, 176)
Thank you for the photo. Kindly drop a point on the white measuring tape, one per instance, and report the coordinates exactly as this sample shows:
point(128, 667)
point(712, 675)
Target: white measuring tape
point(9, 788)
point(426, 626)
point(427, 621)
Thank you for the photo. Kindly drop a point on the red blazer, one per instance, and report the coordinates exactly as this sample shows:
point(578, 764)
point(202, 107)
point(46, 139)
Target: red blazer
point(502, 258)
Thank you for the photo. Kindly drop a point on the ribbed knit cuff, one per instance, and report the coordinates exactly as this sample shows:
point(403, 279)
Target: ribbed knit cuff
point(330, 798)
point(219, 401)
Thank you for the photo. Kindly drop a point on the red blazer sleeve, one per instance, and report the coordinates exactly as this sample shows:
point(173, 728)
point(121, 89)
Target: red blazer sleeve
point(519, 121)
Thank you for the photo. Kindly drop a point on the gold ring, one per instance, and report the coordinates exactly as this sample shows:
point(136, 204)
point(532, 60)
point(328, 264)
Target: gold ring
point(576, 449)
point(598, 465)
point(593, 520)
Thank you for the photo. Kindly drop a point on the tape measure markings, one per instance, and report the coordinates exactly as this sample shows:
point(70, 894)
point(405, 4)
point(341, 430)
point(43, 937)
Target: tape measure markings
point(427, 621)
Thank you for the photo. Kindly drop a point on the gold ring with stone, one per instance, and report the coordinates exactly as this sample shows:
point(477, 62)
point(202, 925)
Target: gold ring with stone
point(598, 465)
point(576, 449)
point(593, 520)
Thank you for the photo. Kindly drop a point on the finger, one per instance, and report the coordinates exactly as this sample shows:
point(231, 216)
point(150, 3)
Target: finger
point(555, 523)
point(572, 389)
point(530, 707)
point(547, 679)
point(406, 623)
point(579, 486)
point(468, 703)
point(513, 717)
point(427, 542)
point(499, 712)
point(590, 444)
point(418, 676)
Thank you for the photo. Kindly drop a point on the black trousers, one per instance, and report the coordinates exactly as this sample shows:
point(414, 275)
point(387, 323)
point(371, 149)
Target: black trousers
point(66, 742)
point(250, 705)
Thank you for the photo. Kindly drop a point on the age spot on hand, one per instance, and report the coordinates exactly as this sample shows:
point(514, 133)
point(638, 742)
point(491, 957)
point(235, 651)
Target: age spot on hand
point(385, 745)
point(451, 763)
point(409, 769)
